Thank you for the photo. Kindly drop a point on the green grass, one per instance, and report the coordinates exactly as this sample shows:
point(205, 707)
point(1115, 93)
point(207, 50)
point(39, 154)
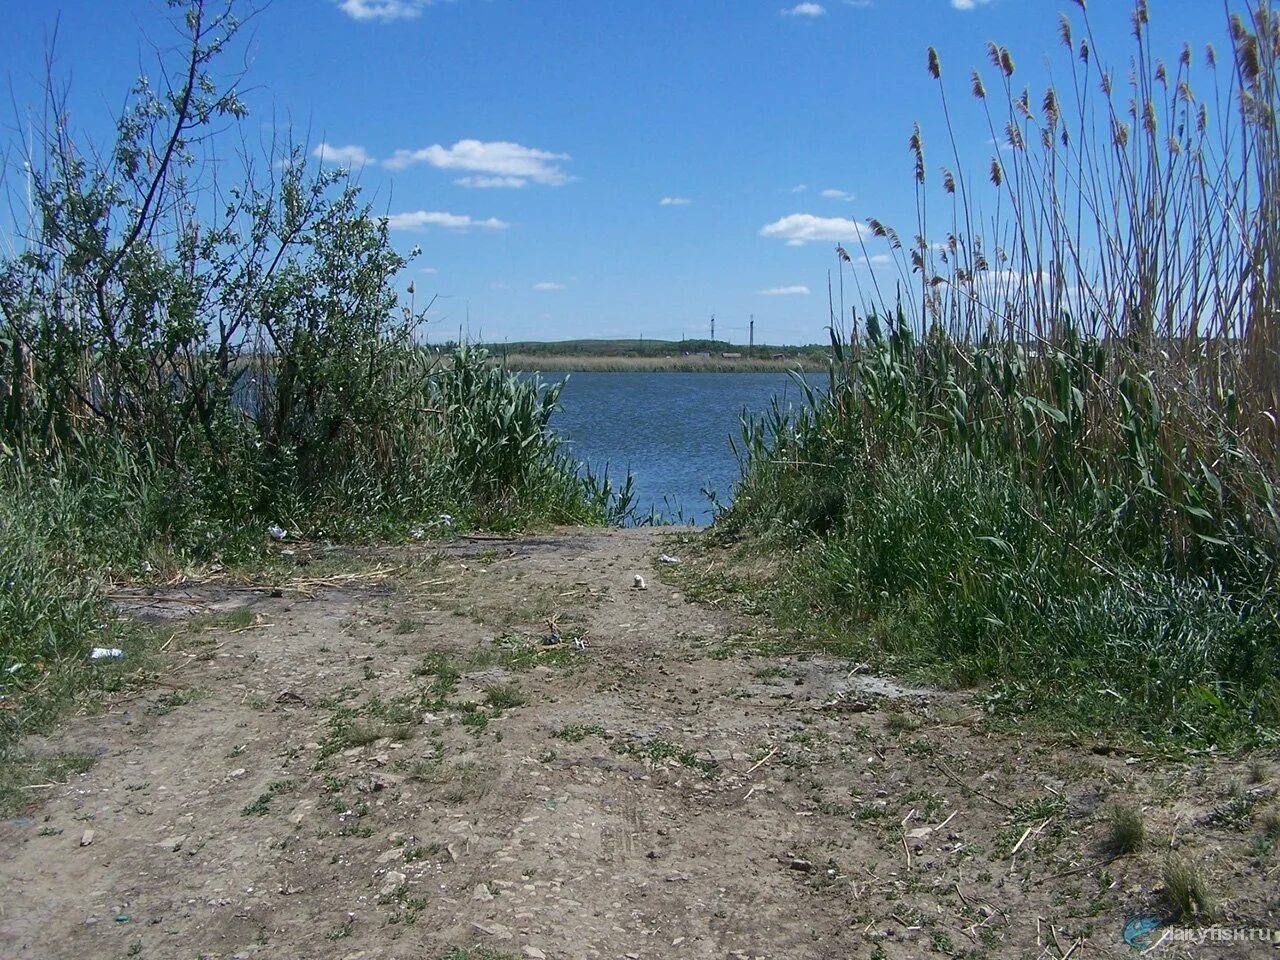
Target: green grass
point(658, 750)
point(1126, 830)
point(503, 696)
point(1188, 891)
point(577, 732)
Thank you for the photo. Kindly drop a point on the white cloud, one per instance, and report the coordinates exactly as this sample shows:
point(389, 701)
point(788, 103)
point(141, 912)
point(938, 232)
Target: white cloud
point(798, 289)
point(674, 202)
point(969, 4)
point(351, 155)
point(833, 194)
point(501, 164)
point(491, 182)
point(801, 228)
point(428, 270)
point(800, 188)
point(807, 10)
point(421, 219)
point(385, 10)
point(548, 285)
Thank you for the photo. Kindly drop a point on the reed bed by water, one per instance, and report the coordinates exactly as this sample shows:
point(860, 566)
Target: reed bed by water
point(1050, 468)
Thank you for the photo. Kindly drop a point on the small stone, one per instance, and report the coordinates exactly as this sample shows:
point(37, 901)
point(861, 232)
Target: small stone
point(86, 838)
point(391, 880)
point(799, 863)
point(496, 930)
point(533, 953)
point(481, 893)
point(390, 855)
point(237, 773)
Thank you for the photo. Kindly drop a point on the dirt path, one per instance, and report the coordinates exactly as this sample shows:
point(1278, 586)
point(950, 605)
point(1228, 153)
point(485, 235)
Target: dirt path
point(404, 770)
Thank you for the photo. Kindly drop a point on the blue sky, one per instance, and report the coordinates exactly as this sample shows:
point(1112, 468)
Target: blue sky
point(580, 168)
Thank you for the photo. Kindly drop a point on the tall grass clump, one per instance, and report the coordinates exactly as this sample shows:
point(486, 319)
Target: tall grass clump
point(1050, 465)
point(187, 361)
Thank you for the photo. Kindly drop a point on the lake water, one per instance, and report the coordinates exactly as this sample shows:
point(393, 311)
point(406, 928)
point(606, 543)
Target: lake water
point(671, 430)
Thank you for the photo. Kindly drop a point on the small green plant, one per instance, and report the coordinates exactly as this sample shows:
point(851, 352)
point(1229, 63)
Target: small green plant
point(1271, 824)
point(1126, 830)
point(658, 750)
point(1187, 890)
point(577, 732)
point(474, 953)
point(503, 696)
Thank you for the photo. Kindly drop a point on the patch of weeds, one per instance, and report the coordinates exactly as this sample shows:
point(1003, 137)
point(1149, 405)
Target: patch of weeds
point(169, 702)
point(474, 953)
point(262, 805)
point(1039, 808)
point(503, 696)
point(771, 673)
point(1126, 830)
point(406, 626)
point(1236, 812)
point(257, 808)
point(897, 722)
point(926, 801)
point(423, 852)
point(334, 784)
point(519, 653)
point(940, 941)
point(423, 769)
point(473, 717)
point(1259, 772)
point(346, 731)
point(440, 668)
point(1271, 824)
point(577, 732)
point(547, 756)
point(658, 750)
point(1187, 890)
point(19, 771)
point(341, 932)
point(461, 782)
point(920, 747)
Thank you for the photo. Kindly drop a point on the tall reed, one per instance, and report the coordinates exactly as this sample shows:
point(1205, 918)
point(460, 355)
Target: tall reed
point(1054, 458)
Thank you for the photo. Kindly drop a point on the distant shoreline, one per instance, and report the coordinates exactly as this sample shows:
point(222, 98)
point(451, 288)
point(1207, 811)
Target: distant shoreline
point(526, 363)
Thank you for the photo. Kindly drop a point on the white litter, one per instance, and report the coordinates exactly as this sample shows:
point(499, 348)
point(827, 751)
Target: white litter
point(667, 558)
point(277, 532)
point(106, 653)
point(639, 584)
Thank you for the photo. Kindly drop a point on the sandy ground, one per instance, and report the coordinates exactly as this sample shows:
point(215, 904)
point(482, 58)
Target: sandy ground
point(400, 768)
